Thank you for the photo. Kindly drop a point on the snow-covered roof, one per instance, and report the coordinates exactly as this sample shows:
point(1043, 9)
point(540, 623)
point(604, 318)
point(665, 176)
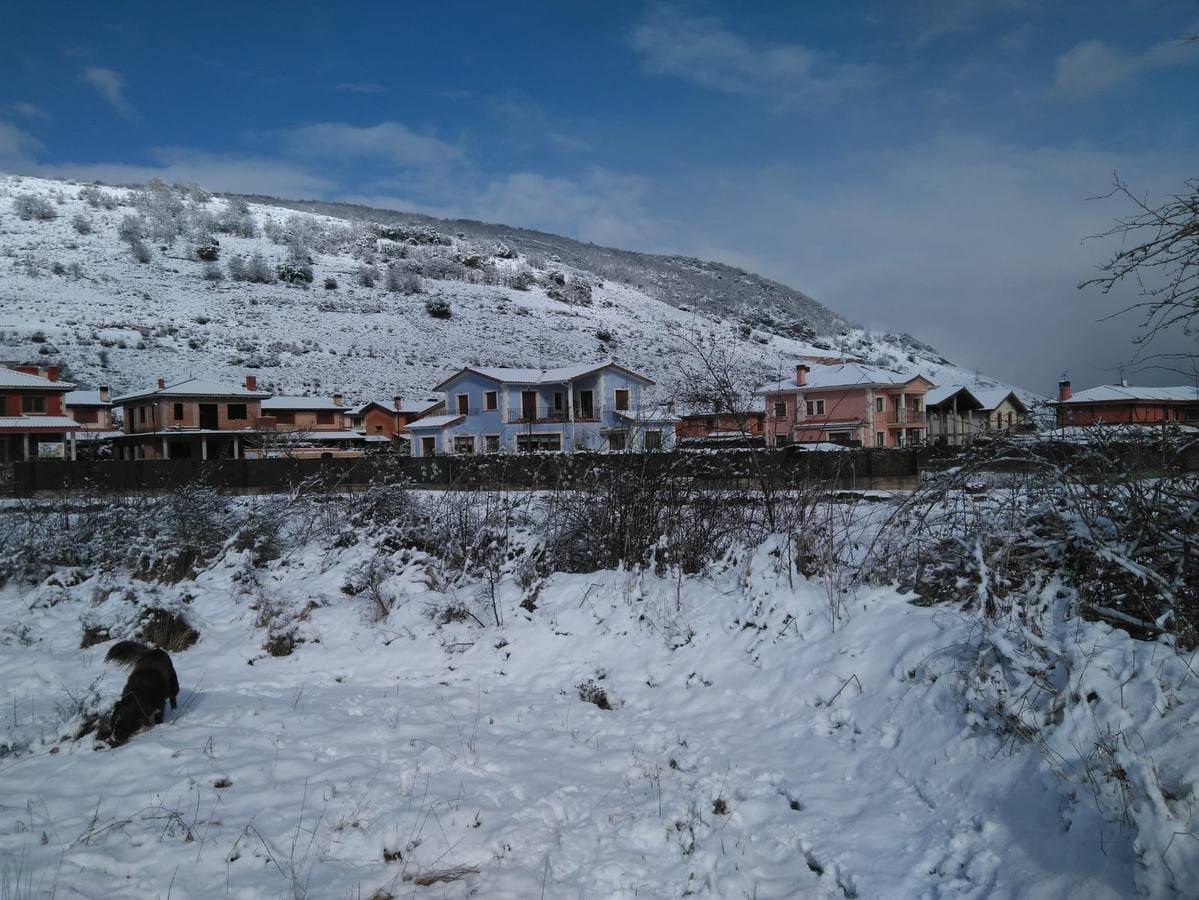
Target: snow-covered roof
point(434, 422)
point(992, 397)
point(1107, 393)
point(84, 398)
point(11, 378)
point(195, 387)
point(305, 404)
point(406, 406)
point(844, 375)
point(540, 376)
point(27, 423)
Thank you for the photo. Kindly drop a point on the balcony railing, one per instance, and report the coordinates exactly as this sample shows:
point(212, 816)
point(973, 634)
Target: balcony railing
point(906, 417)
point(543, 415)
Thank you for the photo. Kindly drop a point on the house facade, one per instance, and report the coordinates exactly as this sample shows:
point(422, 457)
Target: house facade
point(1122, 404)
point(847, 403)
point(300, 427)
point(192, 419)
point(508, 410)
point(92, 410)
point(377, 419)
point(743, 423)
point(958, 415)
point(33, 420)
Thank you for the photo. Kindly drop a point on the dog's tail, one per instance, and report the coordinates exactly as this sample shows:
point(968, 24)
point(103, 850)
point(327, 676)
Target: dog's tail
point(126, 653)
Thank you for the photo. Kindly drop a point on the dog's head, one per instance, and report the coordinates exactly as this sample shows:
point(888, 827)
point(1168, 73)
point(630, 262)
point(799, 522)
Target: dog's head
point(127, 717)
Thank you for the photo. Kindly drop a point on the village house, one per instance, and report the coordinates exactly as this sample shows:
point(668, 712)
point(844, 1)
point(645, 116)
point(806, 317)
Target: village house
point(594, 406)
point(192, 419)
point(379, 420)
point(957, 414)
point(297, 426)
point(713, 429)
point(1123, 404)
point(33, 421)
point(846, 403)
point(97, 428)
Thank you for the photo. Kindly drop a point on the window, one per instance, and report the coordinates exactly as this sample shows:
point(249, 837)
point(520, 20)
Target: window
point(177, 412)
point(492, 441)
point(491, 400)
point(880, 437)
point(282, 418)
point(914, 404)
point(780, 409)
point(236, 412)
point(464, 444)
point(531, 443)
point(324, 418)
point(880, 404)
point(463, 404)
point(653, 440)
point(622, 399)
point(86, 416)
point(428, 446)
point(616, 441)
point(559, 401)
point(586, 408)
point(815, 407)
point(33, 405)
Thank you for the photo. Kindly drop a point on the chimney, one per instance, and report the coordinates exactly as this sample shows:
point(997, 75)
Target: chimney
point(801, 374)
point(1063, 391)
point(337, 398)
point(399, 403)
point(52, 373)
point(162, 383)
point(103, 393)
point(251, 382)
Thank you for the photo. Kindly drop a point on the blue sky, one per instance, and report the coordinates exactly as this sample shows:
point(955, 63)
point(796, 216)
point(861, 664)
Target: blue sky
point(920, 167)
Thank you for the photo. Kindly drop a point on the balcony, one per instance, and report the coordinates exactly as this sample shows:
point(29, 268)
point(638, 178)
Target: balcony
point(910, 418)
point(547, 415)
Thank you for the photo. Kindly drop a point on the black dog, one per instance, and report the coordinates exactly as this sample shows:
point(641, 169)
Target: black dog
point(144, 701)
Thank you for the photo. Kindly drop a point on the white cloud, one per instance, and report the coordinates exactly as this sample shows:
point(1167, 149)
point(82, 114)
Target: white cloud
point(110, 85)
point(18, 148)
point(1093, 67)
point(362, 87)
point(937, 19)
point(393, 142)
point(973, 245)
point(704, 52)
point(28, 110)
point(216, 171)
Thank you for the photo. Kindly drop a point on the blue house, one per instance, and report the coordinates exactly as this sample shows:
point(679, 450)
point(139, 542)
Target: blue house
point(596, 406)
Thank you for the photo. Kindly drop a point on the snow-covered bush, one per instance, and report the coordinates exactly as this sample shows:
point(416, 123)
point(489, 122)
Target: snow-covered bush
point(33, 207)
point(294, 272)
point(438, 308)
point(97, 198)
point(82, 224)
point(258, 270)
point(237, 219)
point(139, 250)
point(400, 282)
point(367, 276)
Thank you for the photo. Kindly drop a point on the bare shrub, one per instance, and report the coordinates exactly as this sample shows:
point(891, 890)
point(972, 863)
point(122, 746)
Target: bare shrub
point(31, 207)
point(82, 224)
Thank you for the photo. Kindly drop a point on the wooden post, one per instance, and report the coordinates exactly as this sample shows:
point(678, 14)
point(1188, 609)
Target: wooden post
point(74, 451)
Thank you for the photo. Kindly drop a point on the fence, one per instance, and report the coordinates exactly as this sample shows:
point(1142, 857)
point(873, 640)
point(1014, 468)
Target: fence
point(851, 469)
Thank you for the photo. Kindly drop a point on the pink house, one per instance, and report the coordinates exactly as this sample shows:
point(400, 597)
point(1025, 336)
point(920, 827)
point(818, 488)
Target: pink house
point(847, 403)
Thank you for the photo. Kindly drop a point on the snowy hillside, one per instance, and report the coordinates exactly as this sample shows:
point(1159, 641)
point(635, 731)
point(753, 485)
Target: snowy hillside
point(122, 286)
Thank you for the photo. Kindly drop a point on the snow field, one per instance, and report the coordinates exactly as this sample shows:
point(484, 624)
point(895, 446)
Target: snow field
point(752, 748)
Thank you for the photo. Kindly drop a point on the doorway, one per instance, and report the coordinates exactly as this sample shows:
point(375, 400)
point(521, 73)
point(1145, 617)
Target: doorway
point(209, 419)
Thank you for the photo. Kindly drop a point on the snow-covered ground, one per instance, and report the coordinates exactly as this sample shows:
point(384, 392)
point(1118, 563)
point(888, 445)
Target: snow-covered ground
point(754, 746)
point(81, 298)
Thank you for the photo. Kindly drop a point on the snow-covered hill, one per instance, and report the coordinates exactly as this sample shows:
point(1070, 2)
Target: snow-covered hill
point(111, 283)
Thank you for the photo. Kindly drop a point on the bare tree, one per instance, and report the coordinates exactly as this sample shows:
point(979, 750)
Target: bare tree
point(1161, 256)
